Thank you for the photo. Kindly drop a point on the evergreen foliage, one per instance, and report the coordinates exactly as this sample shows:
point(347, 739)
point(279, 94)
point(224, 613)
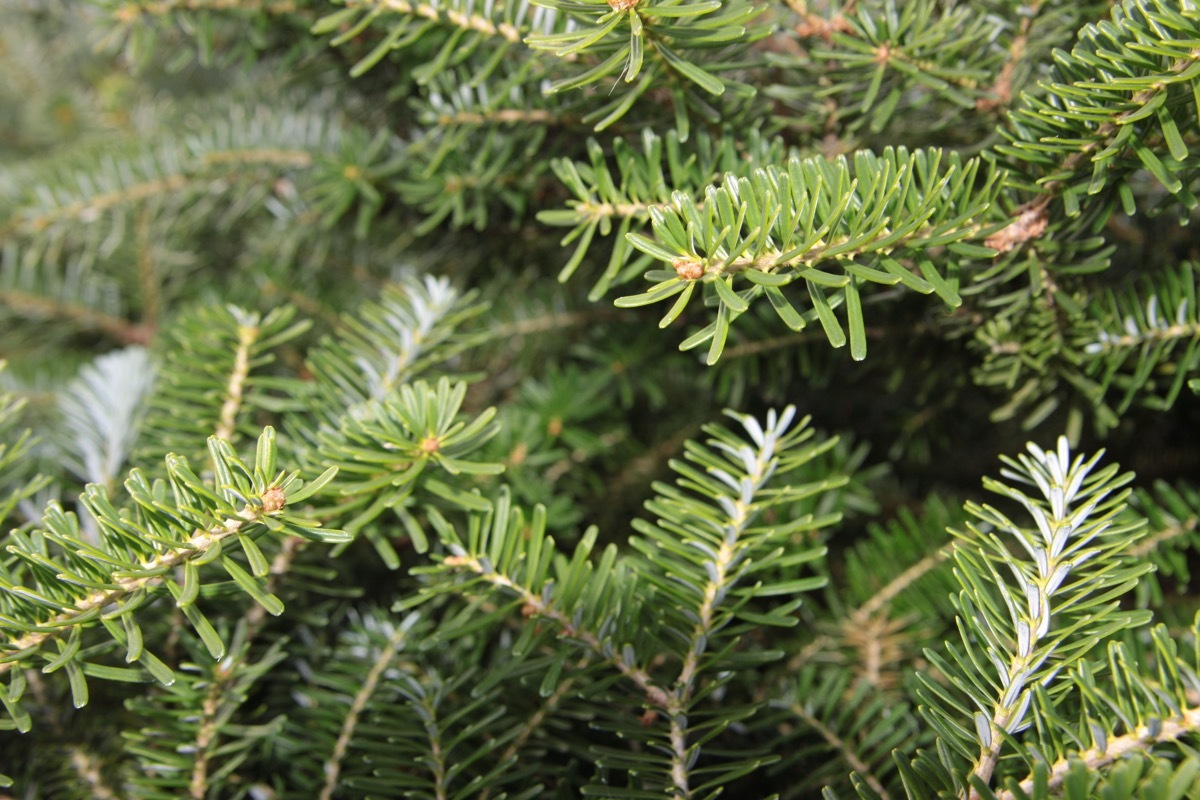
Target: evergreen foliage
point(342, 454)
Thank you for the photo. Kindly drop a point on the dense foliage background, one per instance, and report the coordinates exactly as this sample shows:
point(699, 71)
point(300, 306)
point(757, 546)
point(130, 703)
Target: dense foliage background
point(453, 283)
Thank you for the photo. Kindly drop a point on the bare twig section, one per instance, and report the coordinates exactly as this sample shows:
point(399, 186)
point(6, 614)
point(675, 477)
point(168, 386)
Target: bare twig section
point(227, 421)
point(1029, 224)
point(553, 322)
point(206, 734)
point(1002, 89)
point(1140, 740)
point(87, 767)
point(848, 753)
point(147, 274)
point(472, 22)
point(131, 12)
point(502, 116)
point(35, 305)
point(1151, 543)
point(333, 766)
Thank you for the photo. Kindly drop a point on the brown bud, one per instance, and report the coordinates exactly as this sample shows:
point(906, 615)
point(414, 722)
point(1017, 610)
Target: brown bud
point(689, 269)
point(273, 499)
point(1030, 224)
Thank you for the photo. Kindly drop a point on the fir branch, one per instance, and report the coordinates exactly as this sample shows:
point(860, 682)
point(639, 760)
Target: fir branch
point(1074, 573)
point(896, 586)
point(879, 643)
point(215, 376)
point(1000, 94)
point(552, 321)
point(1136, 348)
point(1095, 759)
point(190, 738)
point(500, 116)
point(721, 578)
point(199, 544)
point(879, 219)
point(38, 288)
point(28, 304)
point(387, 654)
point(148, 281)
point(1085, 127)
point(137, 554)
point(843, 748)
point(532, 604)
point(92, 206)
point(615, 203)
point(1155, 541)
point(530, 726)
point(102, 412)
point(207, 730)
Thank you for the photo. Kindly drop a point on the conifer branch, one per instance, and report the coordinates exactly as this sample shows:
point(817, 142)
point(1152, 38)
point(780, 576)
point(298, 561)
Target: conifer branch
point(1076, 568)
point(535, 722)
point(843, 748)
point(500, 116)
point(545, 323)
point(883, 598)
point(1000, 93)
point(878, 220)
point(142, 201)
point(740, 514)
point(532, 605)
point(207, 730)
point(878, 644)
point(437, 754)
point(1088, 130)
point(358, 705)
point(256, 614)
point(151, 573)
point(1096, 758)
point(92, 207)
